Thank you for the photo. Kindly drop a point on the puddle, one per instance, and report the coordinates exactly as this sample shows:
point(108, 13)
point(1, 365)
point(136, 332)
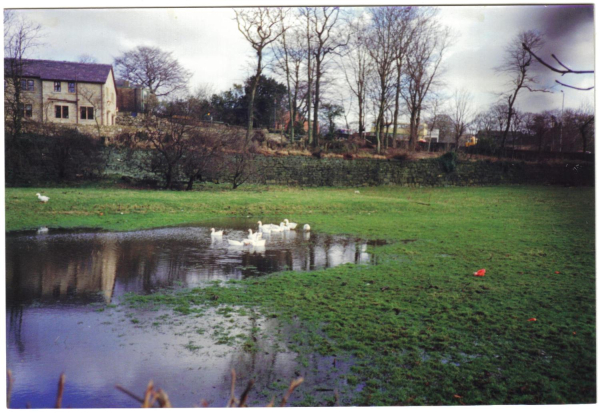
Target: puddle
point(57, 285)
point(190, 358)
point(84, 266)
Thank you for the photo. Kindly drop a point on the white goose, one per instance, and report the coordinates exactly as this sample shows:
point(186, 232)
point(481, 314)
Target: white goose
point(214, 233)
point(43, 198)
point(290, 225)
point(306, 227)
point(264, 228)
point(234, 243)
point(283, 226)
point(251, 238)
point(276, 228)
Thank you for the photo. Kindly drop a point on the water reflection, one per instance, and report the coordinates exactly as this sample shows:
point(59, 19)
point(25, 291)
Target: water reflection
point(55, 279)
point(92, 266)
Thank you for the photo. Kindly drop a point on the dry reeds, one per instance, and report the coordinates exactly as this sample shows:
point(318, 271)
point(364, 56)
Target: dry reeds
point(160, 398)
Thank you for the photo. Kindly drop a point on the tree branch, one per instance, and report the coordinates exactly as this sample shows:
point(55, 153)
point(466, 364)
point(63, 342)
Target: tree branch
point(573, 87)
point(562, 72)
point(537, 90)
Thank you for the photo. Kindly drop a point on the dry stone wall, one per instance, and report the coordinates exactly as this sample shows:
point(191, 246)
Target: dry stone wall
point(313, 172)
point(306, 171)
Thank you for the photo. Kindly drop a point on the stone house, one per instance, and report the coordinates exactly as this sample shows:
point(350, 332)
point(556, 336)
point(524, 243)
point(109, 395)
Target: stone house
point(66, 92)
point(131, 98)
point(402, 131)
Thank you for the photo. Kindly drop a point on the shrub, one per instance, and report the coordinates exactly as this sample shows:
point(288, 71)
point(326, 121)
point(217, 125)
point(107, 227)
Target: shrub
point(448, 161)
point(58, 154)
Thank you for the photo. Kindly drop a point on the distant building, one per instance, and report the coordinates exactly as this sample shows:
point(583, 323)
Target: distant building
point(402, 132)
point(284, 122)
point(66, 92)
point(131, 98)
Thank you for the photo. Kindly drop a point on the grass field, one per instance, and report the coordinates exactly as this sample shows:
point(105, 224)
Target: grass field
point(424, 329)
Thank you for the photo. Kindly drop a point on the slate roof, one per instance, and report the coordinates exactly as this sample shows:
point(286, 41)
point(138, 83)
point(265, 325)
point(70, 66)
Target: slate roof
point(65, 71)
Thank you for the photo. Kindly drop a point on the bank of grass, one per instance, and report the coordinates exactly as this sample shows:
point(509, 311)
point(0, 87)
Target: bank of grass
point(423, 329)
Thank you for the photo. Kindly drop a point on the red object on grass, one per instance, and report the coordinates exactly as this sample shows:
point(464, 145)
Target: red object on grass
point(556, 272)
point(532, 319)
point(479, 273)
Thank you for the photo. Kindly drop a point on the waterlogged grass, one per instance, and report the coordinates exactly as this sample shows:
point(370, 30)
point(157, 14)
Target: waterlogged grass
point(421, 327)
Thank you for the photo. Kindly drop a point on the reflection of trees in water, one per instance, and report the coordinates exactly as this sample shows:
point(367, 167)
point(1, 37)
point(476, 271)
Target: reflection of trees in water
point(15, 326)
point(80, 266)
point(260, 365)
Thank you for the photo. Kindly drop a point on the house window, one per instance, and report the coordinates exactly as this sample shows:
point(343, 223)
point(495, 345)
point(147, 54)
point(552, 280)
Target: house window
point(27, 110)
point(86, 113)
point(57, 86)
point(61, 112)
point(71, 87)
point(27, 84)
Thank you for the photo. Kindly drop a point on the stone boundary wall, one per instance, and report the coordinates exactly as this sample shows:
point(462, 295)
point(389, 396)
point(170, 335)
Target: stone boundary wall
point(335, 172)
point(306, 171)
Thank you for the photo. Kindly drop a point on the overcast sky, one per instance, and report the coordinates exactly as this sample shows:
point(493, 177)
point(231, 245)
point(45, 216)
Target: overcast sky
point(207, 42)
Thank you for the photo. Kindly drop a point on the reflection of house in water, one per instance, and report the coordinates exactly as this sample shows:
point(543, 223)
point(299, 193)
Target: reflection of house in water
point(82, 266)
point(44, 273)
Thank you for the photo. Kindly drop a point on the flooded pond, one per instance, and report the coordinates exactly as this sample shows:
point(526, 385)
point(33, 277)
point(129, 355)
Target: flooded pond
point(62, 287)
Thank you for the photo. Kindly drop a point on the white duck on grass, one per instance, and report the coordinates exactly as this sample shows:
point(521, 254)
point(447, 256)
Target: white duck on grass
point(43, 198)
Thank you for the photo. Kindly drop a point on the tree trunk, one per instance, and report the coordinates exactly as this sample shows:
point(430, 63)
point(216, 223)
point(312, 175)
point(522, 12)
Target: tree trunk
point(169, 177)
point(361, 124)
point(309, 91)
point(583, 138)
point(190, 183)
point(316, 105)
point(289, 92)
point(396, 108)
point(252, 94)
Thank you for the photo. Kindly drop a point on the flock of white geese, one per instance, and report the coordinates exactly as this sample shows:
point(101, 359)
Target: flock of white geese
point(255, 239)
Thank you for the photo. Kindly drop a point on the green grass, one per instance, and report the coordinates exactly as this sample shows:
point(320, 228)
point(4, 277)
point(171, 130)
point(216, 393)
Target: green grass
point(422, 328)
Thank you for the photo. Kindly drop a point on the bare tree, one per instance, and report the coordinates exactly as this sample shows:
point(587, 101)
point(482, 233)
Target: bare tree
point(168, 137)
point(87, 58)
point(290, 54)
point(21, 37)
point(517, 66)
point(306, 13)
point(383, 51)
point(204, 153)
point(358, 66)
point(584, 120)
point(423, 66)
point(329, 39)
point(564, 71)
point(239, 164)
point(409, 20)
point(153, 68)
point(484, 122)
point(461, 113)
point(261, 26)
point(92, 99)
point(435, 111)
